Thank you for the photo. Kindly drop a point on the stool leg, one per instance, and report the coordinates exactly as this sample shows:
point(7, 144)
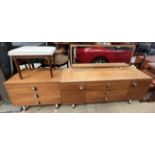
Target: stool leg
point(17, 66)
point(54, 60)
point(50, 64)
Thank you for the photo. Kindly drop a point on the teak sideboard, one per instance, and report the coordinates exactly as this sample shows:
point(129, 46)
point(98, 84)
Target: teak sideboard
point(77, 86)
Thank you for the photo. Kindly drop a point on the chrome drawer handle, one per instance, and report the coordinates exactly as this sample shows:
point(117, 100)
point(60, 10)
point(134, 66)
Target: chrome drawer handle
point(106, 98)
point(106, 92)
point(34, 88)
point(81, 88)
point(134, 84)
point(36, 96)
point(108, 85)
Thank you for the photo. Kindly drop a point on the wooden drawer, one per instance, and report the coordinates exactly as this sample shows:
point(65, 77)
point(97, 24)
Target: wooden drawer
point(139, 84)
point(94, 96)
point(22, 94)
point(138, 89)
point(105, 96)
point(35, 99)
point(22, 99)
point(40, 88)
point(73, 97)
point(100, 86)
point(136, 95)
point(75, 86)
point(73, 93)
point(117, 95)
point(53, 98)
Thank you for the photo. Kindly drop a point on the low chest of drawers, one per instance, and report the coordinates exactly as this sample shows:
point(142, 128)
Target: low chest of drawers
point(81, 86)
point(36, 88)
point(77, 86)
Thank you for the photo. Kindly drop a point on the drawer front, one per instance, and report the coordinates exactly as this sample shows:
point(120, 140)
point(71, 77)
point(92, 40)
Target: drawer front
point(73, 93)
point(23, 94)
point(105, 96)
point(139, 84)
point(35, 99)
point(40, 88)
point(95, 96)
point(75, 86)
point(138, 89)
point(100, 86)
point(136, 95)
point(117, 95)
point(22, 100)
point(73, 97)
point(53, 98)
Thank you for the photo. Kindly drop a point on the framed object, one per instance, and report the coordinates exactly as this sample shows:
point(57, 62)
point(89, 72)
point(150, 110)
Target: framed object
point(100, 55)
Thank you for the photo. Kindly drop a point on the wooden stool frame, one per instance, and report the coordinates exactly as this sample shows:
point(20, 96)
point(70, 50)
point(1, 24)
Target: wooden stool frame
point(46, 57)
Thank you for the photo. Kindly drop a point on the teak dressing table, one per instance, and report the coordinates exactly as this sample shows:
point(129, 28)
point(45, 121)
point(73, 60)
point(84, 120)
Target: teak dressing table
point(77, 86)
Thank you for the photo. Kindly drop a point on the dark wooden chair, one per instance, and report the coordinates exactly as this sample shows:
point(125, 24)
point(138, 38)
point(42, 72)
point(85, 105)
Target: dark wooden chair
point(140, 60)
point(61, 56)
point(152, 91)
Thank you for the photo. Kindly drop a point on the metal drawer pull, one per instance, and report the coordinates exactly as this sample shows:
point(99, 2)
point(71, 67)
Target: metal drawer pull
point(106, 92)
point(134, 84)
point(108, 85)
point(81, 88)
point(36, 96)
point(34, 88)
point(106, 98)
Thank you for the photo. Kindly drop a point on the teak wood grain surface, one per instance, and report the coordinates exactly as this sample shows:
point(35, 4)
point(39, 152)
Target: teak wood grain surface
point(100, 74)
point(37, 88)
point(36, 76)
point(77, 86)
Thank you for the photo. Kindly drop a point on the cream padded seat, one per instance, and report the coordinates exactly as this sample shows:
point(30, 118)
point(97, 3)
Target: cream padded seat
point(32, 51)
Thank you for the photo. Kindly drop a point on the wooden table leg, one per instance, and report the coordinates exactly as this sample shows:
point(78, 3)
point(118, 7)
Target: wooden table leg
point(17, 66)
point(50, 64)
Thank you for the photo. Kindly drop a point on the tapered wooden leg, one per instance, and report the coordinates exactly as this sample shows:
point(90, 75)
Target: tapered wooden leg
point(50, 64)
point(17, 66)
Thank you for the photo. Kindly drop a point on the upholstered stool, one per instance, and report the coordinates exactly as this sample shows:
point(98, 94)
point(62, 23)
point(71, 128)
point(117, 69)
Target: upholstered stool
point(32, 52)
